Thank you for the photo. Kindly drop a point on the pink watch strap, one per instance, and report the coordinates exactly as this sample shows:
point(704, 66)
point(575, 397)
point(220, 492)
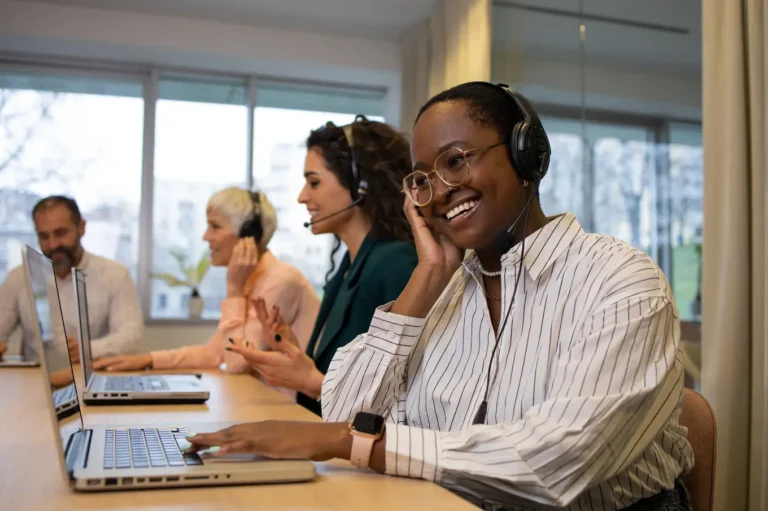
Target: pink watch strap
point(362, 446)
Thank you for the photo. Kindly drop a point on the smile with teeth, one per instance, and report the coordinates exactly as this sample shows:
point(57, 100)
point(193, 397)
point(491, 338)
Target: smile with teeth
point(461, 208)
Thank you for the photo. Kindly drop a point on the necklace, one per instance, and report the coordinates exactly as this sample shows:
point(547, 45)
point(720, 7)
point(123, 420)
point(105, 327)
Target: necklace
point(488, 273)
point(492, 297)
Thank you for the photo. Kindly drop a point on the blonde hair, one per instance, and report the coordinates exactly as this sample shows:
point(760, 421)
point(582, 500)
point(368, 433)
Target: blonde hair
point(237, 205)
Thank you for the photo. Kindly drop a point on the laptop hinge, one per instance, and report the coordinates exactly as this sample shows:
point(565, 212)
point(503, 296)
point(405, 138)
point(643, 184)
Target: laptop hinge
point(76, 453)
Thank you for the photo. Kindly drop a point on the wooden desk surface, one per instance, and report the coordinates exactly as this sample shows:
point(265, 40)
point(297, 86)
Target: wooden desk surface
point(30, 478)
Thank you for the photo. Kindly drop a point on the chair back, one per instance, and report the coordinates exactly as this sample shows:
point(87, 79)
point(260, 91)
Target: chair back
point(699, 418)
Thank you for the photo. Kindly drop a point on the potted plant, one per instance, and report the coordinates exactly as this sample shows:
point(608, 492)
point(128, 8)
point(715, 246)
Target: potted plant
point(192, 276)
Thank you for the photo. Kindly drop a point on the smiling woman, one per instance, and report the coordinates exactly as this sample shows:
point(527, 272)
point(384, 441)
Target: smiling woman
point(353, 177)
point(569, 399)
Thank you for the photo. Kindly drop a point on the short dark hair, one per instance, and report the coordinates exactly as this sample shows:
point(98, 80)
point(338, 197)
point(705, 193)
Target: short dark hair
point(58, 200)
point(489, 105)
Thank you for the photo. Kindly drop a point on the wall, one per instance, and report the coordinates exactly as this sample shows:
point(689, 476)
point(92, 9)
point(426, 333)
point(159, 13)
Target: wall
point(162, 335)
point(608, 87)
point(111, 35)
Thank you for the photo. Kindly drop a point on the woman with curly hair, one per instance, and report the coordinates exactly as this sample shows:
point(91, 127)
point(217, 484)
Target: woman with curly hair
point(353, 189)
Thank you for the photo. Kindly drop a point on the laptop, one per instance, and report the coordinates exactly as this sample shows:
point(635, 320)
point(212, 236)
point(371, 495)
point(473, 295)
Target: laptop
point(18, 361)
point(101, 389)
point(45, 308)
point(137, 457)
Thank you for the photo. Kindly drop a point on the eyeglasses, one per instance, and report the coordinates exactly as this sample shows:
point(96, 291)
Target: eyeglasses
point(452, 166)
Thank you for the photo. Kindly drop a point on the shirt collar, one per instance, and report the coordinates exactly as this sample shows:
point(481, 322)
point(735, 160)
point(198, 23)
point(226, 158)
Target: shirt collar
point(542, 247)
point(84, 261)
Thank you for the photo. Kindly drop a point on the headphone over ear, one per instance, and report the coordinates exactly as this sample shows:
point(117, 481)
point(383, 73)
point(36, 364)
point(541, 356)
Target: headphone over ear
point(528, 149)
point(252, 226)
point(359, 186)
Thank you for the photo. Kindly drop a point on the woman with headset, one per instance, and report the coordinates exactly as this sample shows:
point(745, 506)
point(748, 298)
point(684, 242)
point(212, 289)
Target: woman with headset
point(353, 189)
point(540, 371)
point(240, 226)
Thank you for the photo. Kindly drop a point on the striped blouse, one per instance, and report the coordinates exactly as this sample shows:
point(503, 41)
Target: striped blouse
point(585, 394)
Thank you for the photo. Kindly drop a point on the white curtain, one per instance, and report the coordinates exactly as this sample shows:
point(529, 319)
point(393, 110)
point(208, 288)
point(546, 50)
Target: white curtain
point(452, 47)
point(735, 258)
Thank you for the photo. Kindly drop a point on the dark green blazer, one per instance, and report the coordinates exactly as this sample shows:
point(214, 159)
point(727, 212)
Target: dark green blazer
point(378, 275)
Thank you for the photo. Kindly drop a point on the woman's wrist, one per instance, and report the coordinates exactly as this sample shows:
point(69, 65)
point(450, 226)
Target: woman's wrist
point(234, 291)
point(339, 443)
point(314, 384)
point(422, 291)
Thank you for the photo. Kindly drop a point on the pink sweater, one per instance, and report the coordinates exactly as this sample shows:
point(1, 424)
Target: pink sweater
point(280, 284)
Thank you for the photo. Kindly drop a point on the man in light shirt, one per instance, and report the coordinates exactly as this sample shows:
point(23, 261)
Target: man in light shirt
point(116, 323)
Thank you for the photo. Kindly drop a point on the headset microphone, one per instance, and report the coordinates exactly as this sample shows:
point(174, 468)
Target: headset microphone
point(359, 185)
point(342, 210)
point(505, 240)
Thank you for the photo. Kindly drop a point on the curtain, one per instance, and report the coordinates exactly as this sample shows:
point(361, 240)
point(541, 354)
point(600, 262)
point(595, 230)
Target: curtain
point(452, 47)
point(735, 260)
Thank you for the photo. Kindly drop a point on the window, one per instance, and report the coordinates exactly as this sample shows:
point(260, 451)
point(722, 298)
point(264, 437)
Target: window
point(646, 192)
point(81, 132)
point(75, 136)
point(687, 212)
point(200, 147)
point(283, 118)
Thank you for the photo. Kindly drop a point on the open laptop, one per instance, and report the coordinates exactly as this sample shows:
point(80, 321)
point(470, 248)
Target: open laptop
point(45, 308)
point(133, 457)
point(151, 388)
point(18, 361)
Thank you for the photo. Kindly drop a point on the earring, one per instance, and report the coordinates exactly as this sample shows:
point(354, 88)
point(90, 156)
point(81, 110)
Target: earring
point(525, 183)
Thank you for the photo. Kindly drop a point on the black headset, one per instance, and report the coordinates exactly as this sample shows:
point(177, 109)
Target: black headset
point(359, 185)
point(252, 226)
point(528, 149)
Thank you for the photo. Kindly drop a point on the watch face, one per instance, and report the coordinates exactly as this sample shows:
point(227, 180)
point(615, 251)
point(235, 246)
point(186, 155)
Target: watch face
point(368, 423)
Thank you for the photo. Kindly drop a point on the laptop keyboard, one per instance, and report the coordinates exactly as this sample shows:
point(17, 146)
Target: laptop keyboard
point(64, 395)
point(136, 383)
point(147, 447)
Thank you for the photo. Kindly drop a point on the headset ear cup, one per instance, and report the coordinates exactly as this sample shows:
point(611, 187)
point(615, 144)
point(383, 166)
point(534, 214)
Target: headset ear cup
point(517, 151)
point(538, 151)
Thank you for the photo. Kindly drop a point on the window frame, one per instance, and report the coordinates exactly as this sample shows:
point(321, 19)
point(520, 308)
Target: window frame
point(659, 128)
point(149, 78)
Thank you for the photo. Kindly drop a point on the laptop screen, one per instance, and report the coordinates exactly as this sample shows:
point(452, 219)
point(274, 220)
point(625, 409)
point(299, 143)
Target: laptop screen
point(47, 314)
point(84, 330)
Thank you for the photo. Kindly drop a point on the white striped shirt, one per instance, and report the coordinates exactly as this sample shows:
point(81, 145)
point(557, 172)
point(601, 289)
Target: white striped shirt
point(583, 408)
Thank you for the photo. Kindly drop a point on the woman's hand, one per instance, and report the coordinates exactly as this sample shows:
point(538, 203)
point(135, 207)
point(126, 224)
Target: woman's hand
point(317, 441)
point(272, 322)
point(124, 363)
point(61, 378)
point(439, 259)
point(435, 251)
point(242, 262)
point(287, 365)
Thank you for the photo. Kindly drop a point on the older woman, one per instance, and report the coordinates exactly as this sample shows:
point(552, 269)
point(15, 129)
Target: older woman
point(240, 225)
point(540, 370)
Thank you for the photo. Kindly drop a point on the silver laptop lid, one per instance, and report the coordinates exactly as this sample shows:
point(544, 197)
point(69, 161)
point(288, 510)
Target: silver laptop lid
point(84, 330)
point(43, 296)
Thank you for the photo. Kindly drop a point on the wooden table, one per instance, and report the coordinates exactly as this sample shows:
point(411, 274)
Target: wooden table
point(30, 478)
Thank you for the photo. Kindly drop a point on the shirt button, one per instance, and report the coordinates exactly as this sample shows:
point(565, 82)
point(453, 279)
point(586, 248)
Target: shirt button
point(390, 335)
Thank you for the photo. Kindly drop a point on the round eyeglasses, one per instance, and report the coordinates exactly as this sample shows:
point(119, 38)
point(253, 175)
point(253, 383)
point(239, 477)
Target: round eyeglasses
point(452, 166)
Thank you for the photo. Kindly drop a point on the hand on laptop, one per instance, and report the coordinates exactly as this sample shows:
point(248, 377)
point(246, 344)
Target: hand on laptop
point(61, 378)
point(317, 441)
point(3, 349)
point(124, 363)
point(74, 349)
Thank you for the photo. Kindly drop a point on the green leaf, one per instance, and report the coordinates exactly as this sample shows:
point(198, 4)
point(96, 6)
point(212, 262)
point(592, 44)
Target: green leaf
point(180, 257)
point(171, 280)
point(202, 267)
